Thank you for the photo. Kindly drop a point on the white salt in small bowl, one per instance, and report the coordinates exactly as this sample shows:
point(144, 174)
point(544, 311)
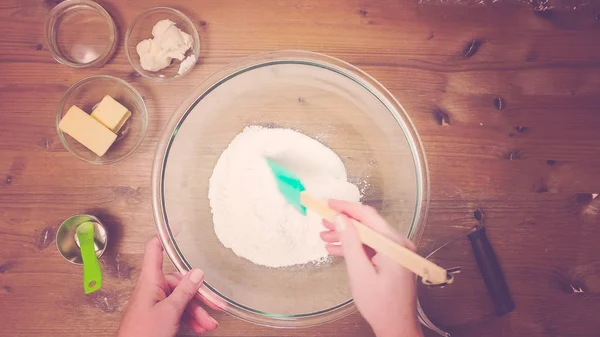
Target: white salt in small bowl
point(141, 29)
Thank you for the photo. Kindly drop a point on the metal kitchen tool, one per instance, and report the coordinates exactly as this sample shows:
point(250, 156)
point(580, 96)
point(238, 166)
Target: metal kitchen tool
point(67, 242)
point(490, 268)
point(486, 264)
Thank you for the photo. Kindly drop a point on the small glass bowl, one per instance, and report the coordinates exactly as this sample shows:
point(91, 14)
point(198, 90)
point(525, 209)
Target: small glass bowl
point(86, 94)
point(81, 34)
point(141, 29)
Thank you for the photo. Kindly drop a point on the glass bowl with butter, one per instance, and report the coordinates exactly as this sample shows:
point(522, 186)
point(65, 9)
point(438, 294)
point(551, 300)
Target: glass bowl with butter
point(162, 44)
point(101, 119)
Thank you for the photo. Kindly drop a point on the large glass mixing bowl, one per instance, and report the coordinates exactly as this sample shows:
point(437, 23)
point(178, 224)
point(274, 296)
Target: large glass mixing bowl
point(322, 97)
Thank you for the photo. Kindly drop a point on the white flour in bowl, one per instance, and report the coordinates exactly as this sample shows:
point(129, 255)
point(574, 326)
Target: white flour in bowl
point(250, 215)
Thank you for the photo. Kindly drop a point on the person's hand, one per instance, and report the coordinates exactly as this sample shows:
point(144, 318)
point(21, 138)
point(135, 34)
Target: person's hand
point(159, 302)
point(384, 292)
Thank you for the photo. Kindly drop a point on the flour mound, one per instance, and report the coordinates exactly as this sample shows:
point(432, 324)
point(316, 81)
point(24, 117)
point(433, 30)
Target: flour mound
point(252, 218)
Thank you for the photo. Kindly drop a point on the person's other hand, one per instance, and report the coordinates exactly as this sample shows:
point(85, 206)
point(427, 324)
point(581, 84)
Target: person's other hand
point(160, 303)
point(384, 292)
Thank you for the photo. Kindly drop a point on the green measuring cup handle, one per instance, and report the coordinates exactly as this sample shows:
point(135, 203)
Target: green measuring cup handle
point(92, 273)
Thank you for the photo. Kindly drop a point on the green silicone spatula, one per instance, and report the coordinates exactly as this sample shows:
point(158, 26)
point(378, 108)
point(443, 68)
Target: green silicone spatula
point(296, 195)
point(92, 273)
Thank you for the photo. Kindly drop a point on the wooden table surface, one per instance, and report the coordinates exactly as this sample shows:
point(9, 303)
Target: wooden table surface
point(518, 94)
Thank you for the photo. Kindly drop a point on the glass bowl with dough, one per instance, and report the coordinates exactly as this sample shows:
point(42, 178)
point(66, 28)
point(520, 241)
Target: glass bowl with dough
point(216, 205)
point(162, 44)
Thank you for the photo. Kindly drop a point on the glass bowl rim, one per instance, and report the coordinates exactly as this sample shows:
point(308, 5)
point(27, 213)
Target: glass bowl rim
point(143, 112)
point(52, 20)
point(195, 36)
point(285, 56)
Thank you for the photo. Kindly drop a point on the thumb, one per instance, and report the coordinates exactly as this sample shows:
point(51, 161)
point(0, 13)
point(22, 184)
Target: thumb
point(357, 261)
point(185, 291)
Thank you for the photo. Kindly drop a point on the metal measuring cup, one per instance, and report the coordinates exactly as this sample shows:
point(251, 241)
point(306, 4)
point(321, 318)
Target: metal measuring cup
point(488, 266)
point(68, 244)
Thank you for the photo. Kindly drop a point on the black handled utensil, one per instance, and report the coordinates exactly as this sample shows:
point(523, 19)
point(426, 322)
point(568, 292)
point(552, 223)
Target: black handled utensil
point(490, 268)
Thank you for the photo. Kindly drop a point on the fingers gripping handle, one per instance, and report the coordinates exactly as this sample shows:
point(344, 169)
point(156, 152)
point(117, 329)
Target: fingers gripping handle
point(429, 271)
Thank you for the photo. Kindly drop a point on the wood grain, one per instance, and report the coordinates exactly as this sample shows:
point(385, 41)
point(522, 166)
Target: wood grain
point(532, 164)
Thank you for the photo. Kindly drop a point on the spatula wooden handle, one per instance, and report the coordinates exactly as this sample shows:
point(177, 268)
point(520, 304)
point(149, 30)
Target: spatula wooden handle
point(427, 270)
